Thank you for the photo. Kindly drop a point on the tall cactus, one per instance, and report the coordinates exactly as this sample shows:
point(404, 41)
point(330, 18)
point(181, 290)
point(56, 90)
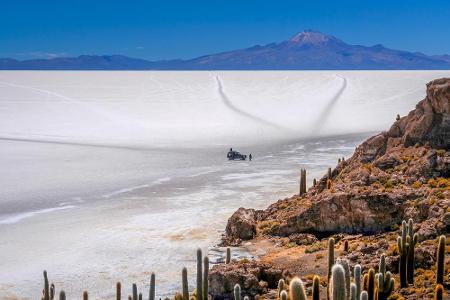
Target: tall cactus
point(228, 257)
point(402, 245)
point(296, 290)
point(337, 285)
point(283, 295)
point(330, 262)
point(440, 261)
point(135, 292)
point(371, 284)
point(438, 292)
point(205, 277)
point(281, 287)
point(85, 295)
point(385, 282)
point(316, 288)
point(152, 290)
point(302, 182)
point(357, 278)
point(329, 173)
point(344, 263)
point(185, 286)
point(411, 252)
point(62, 295)
point(353, 291)
point(237, 292)
point(118, 291)
point(199, 275)
point(46, 287)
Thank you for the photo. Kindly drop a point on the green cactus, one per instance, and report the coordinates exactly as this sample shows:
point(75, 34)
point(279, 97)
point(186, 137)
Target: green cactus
point(85, 295)
point(438, 292)
point(329, 173)
point(385, 282)
point(118, 291)
point(46, 287)
point(302, 182)
point(237, 292)
point(357, 279)
point(337, 284)
point(228, 257)
point(52, 291)
point(316, 288)
point(281, 286)
point(199, 275)
point(62, 295)
point(296, 290)
point(283, 295)
point(364, 296)
point(411, 252)
point(185, 286)
point(205, 278)
point(152, 291)
point(344, 263)
point(135, 293)
point(330, 262)
point(402, 245)
point(353, 291)
point(314, 182)
point(440, 261)
point(371, 284)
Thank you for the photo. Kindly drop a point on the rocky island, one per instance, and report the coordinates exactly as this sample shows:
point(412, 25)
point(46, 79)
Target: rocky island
point(353, 217)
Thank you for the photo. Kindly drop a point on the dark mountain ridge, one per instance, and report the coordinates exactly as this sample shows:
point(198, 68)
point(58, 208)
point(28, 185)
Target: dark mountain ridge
point(307, 50)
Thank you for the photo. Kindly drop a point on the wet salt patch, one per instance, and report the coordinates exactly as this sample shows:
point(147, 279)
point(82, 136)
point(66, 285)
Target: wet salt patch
point(234, 176)
point(125, 190)
point(137, 187)
point(19, 217)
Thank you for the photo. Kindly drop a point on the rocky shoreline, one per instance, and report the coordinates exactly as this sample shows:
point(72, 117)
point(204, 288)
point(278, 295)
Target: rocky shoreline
point(399, 174)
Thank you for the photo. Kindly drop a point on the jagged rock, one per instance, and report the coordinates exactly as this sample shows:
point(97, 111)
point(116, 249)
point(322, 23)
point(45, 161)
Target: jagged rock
point(242, 224)
point(427, 230)
point(430, 121)
point(254, 277)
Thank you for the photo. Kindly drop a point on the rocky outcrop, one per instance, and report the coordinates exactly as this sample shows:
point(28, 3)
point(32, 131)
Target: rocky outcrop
point(396, 175)
point(387, 177)
point(429, 123)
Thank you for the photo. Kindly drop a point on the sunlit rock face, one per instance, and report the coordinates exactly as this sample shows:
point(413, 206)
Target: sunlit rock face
point(375, 189)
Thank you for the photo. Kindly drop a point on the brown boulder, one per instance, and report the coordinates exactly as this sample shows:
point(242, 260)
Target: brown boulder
point(242, 225)
point(254, 277)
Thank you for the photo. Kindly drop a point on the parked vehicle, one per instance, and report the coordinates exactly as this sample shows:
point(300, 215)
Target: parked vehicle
point(235, 155)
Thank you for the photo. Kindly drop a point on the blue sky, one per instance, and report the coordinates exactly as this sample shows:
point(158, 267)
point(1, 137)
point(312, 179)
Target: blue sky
point(184, 29)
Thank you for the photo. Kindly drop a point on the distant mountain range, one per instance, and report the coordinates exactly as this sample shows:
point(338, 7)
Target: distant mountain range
point(307, 50)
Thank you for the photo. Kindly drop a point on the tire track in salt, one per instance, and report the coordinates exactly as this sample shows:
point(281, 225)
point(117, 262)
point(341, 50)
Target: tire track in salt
point(245, 114)
point(326, 112)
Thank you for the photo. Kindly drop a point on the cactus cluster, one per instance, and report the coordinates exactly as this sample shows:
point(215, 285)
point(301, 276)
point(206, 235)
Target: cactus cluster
point(385, 282)
point(371, 286)
point(406, 244)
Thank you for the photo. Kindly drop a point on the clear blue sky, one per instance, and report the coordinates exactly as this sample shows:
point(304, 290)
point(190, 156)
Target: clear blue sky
point(189, 28)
